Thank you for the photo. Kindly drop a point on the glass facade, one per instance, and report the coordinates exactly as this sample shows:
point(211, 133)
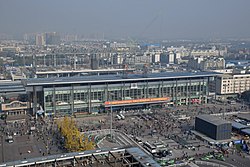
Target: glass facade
point(67, 99)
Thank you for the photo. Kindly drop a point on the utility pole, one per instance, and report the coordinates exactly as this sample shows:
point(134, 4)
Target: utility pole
point(111, 122)
point(224, 109)
point(75, 60)
point(243, 105)
point(47, 147)
point(111, 117)
point(2, 142)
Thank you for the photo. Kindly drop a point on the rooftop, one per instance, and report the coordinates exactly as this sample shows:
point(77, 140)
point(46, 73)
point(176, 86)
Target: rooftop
point(245, 116)
point(246, 131)
point(10, 86)
point(237, 125)
point(80, 71)
point(114, 78)
point(117, 157)
point(213, 119)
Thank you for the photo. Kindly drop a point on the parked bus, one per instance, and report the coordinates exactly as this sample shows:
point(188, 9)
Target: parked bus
point(150, 148)
point(138, 140)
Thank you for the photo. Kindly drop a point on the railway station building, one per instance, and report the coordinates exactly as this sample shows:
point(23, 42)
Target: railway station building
point(69, 95)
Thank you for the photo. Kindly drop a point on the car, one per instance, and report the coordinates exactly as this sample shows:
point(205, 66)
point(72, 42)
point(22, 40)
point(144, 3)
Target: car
point(118, 117)
point(10, 139)
point(171, 162)
point(191, 159)
point(162, 162)
point(122, 116)
point(210, 156)
point(154, 131)
point(205, 158)
point(220, 157)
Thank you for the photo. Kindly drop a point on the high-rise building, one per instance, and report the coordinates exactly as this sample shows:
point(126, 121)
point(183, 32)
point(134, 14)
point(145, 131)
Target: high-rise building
point(40, 41)
point(52, 38)
point(30, 38)
point(156, 58)
point(170, 58)
point(94, 62)
point(163, 58)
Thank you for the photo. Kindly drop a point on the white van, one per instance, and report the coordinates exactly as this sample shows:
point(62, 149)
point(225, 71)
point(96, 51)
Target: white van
point(122, 116)
point(118, 117)
point(10, 139)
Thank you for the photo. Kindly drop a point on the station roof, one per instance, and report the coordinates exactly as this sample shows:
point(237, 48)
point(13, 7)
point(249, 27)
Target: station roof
point(237, 125)
point(11, 86)
point(245, 116)
point(246, 131)
point(114, 78)
point(81, 71)
point(213, 119)
point(142, 158)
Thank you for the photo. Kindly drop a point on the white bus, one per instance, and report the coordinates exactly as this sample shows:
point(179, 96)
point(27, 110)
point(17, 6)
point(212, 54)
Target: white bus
point(150, 148)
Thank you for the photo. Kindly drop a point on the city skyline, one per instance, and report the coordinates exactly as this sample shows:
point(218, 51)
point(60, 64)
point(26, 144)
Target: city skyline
point(160, 19)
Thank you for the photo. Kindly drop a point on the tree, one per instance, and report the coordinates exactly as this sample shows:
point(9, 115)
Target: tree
point(74, 140)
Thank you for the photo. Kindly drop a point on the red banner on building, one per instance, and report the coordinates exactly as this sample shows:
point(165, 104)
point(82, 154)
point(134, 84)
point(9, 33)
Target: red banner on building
point(137, 101)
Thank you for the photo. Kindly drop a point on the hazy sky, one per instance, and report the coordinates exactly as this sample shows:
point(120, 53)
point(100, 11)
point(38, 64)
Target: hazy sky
point(128, 18)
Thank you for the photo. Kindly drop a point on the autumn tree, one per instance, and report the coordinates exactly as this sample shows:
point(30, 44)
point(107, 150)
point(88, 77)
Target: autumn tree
point(74, 140)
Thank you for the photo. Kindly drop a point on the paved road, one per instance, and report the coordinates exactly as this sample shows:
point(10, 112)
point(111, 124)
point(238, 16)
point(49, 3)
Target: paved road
point(1, 148)
point(42, 141)
point(238, 160)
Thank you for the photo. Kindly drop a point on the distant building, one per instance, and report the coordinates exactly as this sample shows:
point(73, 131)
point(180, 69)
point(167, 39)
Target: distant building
point(30, 38)
point(194, 63)
point(117, 59)
point(142, 59)
point(121, 47)
point(156, 58)
point(177, 57)
point(40, 40)
point(203, 64)
point(10, 49)
point(70, 38)
point(94, 62)
point(48, 38)
point(170, 58)
point(52, 38)
point(213, 64)
point(163, 58)
point(205, 53)
point(213, 127)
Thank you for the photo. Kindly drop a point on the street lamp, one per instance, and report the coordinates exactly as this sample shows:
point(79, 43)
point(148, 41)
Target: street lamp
point(2, 142)
point(111, 121)
point(111, 116)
